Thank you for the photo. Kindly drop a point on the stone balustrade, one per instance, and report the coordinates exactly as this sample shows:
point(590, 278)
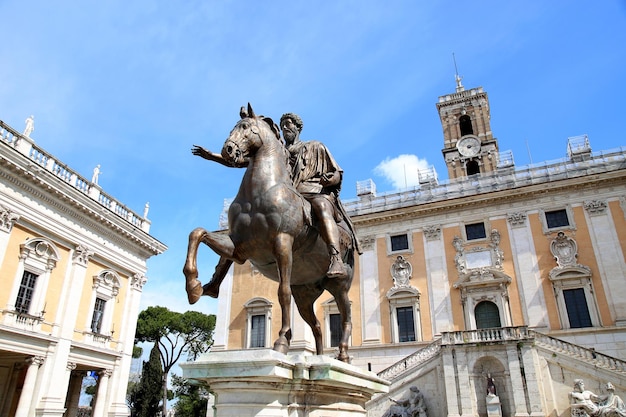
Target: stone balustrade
point(502, 179)
point(491, 335)
point(27, 147)
point(412, 361)
point(579, 352)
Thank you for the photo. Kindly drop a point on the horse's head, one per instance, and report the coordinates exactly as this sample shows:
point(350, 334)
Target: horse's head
point(248, 135)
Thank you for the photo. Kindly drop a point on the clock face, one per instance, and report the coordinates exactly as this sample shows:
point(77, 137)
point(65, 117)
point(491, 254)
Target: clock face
point(468, 146)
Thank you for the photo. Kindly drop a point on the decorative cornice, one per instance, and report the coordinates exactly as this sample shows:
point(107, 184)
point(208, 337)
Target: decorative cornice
point(95, 220)
point(463, 202)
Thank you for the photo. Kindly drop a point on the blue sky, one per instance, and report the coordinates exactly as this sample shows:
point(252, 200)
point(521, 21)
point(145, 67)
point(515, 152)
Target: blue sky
point(133, 85)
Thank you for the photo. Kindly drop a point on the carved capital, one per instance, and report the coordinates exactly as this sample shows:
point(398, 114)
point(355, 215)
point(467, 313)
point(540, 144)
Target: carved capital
point(517, 219)
point(7, 219)
point(595, 207)
point(81, 255)
point(368, 242)
point(105, 373)
point(35, 360)
point(138, 281)
point(70, 366)
point(432, 232)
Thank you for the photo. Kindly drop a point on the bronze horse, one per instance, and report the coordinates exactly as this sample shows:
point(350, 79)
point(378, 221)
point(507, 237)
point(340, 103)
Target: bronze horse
point(270, 225)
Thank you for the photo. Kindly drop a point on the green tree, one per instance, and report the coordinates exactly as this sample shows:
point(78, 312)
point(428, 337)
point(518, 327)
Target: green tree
point(175, 334)
point(192, 398)
point(145, 396)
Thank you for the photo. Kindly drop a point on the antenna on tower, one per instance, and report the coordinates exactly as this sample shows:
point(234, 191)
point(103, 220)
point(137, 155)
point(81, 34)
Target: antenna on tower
point(457, 77)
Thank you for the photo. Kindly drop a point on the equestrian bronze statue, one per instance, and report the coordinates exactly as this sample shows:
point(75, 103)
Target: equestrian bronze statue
point(272, 225)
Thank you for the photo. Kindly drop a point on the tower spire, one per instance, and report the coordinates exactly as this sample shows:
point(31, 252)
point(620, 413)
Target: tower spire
point(457, 77)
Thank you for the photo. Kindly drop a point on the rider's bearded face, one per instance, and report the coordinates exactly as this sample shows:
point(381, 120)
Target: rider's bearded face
point(290, 131)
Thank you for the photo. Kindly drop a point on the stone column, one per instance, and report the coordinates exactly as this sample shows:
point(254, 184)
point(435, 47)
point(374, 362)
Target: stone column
point(527, 270)
point(126, 336)
point(607, 250)
point(103, 390)
point(439, 288)
point(370, 292)
point(28, 389)
point(73, 393)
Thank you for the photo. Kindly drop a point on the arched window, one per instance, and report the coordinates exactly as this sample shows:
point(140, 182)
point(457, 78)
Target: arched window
point(259, 320)
point(106, 286)
point(465, 123)
point(487, 315)
point(472, 168)
point(38, 257)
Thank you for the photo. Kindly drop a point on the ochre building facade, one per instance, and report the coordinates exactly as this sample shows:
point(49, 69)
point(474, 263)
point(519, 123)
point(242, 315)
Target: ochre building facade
point(516, 272)
point(73, 265)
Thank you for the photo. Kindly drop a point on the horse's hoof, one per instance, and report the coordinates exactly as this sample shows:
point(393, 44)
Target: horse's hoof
point(207, 290)
point(281, 347)
point(343, 357)
point(194, 292)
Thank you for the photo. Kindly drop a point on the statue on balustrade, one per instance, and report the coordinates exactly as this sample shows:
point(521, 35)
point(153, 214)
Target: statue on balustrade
point(585, 403)
point(413, 406)
point(30, 126)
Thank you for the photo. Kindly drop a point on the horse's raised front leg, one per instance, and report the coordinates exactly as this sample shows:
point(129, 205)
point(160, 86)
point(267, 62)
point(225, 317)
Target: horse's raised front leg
point(220, 243)
point(284, 258)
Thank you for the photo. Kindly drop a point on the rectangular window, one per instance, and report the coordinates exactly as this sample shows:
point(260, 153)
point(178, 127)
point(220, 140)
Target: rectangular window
point(475, 231)
point(98, 312)
point(556, 218)
point(406, 324)
point(25, 293)
point(335, 329)
point(399, 242)
point(257, 331)
point(577, 310)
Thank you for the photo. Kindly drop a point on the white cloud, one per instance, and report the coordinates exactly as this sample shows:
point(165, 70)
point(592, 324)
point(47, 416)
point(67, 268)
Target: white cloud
point(402, 170)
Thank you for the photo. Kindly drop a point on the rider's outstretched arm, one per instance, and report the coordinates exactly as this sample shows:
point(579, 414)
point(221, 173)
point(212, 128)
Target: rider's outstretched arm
point(211, 156)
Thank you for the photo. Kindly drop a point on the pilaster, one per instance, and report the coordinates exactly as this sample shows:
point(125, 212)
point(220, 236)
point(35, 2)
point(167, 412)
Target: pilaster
point(606, 247)
point(439, 288)
point(527, 270)
point(370, 289)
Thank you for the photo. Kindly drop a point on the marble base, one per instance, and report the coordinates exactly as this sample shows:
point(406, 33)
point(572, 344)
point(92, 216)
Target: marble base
point(269, 384)
point(494, 408)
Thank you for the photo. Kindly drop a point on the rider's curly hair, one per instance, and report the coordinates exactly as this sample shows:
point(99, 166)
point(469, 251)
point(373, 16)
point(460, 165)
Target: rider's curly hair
point(295, 118)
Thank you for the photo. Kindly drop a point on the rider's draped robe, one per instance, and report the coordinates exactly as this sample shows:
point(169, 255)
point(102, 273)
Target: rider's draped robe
point(309, 161)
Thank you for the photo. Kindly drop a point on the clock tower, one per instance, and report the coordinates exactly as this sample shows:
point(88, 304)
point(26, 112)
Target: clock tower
point(469, 145)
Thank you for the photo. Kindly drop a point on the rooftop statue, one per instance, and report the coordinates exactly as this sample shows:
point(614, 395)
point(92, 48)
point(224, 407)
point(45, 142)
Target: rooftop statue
point(286, 219)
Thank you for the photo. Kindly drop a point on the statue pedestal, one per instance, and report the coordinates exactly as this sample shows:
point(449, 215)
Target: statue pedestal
point(267, 383)
point(494, 409)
